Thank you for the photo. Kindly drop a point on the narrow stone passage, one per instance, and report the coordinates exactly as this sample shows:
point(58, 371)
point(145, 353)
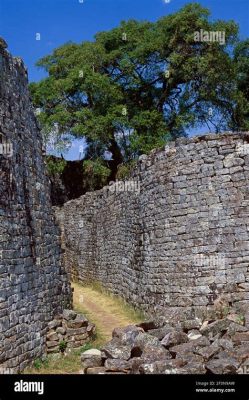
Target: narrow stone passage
point(104, 311)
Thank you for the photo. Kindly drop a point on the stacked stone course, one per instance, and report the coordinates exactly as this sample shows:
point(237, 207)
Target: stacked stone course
point(70, 328)
point(181, 240)
point(33, 283)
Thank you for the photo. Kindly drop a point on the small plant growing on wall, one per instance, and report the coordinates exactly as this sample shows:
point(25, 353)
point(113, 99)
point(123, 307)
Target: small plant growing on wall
point(62, 346)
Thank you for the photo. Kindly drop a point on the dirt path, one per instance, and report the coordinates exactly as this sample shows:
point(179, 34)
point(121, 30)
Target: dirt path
point(104, 311)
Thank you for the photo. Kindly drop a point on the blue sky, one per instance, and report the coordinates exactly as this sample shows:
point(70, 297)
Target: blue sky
point(58, 21)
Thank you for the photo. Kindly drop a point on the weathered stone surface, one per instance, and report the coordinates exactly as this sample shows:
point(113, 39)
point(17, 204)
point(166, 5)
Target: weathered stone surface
point(73, 337)
point(114, 349)
point(174, 338)
point(183, 239)
point(172, 367)
point(134, 364)
point(208, 352)
point(194, 334)
point(155, 352)
point(80, 318)
point(61, 330)
point(52, 343)
point(117, 365)
point(75, 331)
point(144, 339)
point(159, 333)
point(54, 324)
point(234, 327)
point(224, 343)
point(241, 337)
point(34, 286)
point(96, 371)
point(215, 327)
point(190, 346)
point(128, 334)
point(143, 353)
point(191, 324)
point(223, 366)
point(90, 352)
point(91, 360)
point(52, 336)
point(76, 324)
point(69, 315)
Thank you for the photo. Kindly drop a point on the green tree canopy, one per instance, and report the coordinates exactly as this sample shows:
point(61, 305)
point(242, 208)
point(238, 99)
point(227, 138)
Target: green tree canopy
point(141, 84)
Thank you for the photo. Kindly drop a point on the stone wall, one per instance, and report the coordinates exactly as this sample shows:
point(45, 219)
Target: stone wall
point(33, 284)
point(69, 330)
point(175, 234)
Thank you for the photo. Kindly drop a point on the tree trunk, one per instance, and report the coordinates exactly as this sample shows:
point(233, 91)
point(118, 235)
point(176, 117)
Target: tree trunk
point(117, 158)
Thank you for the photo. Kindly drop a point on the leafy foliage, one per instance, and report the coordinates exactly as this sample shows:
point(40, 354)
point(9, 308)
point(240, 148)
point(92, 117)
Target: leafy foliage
point(55, 166)
point(142, 84)
point(97, 173)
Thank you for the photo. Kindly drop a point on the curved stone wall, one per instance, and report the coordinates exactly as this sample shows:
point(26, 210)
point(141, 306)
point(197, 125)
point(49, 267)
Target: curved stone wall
point(175, 234)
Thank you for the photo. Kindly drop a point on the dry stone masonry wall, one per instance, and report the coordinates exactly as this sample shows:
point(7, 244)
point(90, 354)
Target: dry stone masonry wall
point(33, 283)
point(69, 330)
point(175, 234)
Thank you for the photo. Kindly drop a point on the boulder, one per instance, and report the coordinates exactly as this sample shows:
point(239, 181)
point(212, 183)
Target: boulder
point(234, 327)
point(75, 331)
point(114, 349)
point(240, 337)
point(241, 352)
point(81, 319)
point(172, 367)
point(52, 343)
point(174, 338)
point(52, 336)
point(69, 315)
point(143, 339)
point(155, 352)
point(117, 365)
point(76, 324)
point(161, 367)
point(159, 333)
point(190, 346)
point(91, 352)
point(147, 325)
point(224, 344)
point(60, 330)
point(216, 327)
point(96, 371)
point(190, 357)
point(134, 364)
point(194, 334)
point(54, 324)
point(208, 352)
point(91, 358)
point(54, 349)
point(91, 329)
point(128, 334)
point(191, 324)
point(227, 365)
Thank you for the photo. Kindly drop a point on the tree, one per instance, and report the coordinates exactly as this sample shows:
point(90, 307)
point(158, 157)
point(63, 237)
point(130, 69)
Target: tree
point(240, 120)
point(141, 84)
